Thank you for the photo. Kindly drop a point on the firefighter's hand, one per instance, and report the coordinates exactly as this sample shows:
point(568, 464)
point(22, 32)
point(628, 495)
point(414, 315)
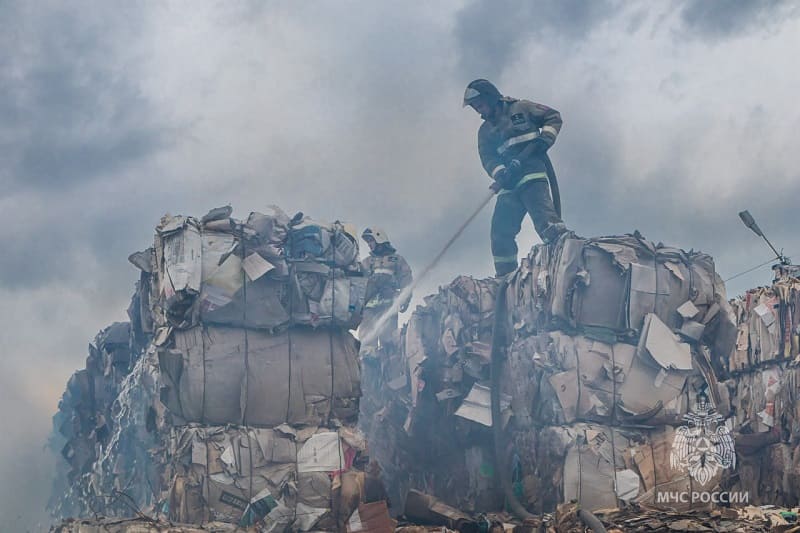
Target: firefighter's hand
point(503, 179)
point(495, 187)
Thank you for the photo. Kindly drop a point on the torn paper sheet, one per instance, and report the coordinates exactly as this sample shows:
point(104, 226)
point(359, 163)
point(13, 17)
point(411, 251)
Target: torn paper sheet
point(765, 313)
point(477, 406)
point(227, 457)
point(321, 453)
point(693, 330)
point(659, 341)
point(256, 266)
point(675, 269)
point(449, 342)
point(688, 310)
point(307, 516)
point(627, 484)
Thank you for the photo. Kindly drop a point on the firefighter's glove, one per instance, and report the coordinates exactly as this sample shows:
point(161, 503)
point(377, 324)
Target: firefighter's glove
point(502, 180)
point(507, 180)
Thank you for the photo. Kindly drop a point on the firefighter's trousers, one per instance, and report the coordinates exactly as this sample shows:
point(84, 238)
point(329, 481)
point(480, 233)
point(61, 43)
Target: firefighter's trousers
point(531, 197)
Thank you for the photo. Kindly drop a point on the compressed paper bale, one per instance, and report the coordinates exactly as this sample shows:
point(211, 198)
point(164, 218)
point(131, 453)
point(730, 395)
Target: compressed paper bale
point(601, 301)
point(239, 477)
point(230, 375)
point(673, 283)
point(652, 460)
point(257, 305)
point(646, 386)
point(314, 489)
point(268, 371)
point(181, 255)
point(589, 479)
point(566, 270)
point(276, 447)
point(186, 502)
point(213, 373)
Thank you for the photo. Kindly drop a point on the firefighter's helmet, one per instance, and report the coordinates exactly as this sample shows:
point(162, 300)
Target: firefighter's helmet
point(481, 90)
point(377, 234)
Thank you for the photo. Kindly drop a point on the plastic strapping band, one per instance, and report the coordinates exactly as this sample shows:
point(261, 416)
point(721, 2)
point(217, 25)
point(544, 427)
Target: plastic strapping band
point(613, 412)
point(655, 472)
point(289, 339)
point(580, 388)
point(203, 342)
point(250, 452)
point(203, 351)
point(585, 438)
point(206, 487)
point(246, 339)
point(655, 296)
point(333, 320)
point(246, 375)
point(580, 466)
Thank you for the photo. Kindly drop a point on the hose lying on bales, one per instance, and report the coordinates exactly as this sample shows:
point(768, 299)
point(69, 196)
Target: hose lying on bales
point(499, 343)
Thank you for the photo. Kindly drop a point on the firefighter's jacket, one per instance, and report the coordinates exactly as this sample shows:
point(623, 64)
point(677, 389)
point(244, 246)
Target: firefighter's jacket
point(388, 275)
point(515, 124)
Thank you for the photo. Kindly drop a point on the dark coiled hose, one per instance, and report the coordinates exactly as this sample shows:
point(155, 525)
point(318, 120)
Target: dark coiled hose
point(499, 343)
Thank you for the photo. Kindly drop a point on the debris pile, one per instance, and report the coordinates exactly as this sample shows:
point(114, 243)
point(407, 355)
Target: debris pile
point(765, 391)
point(637, 519)
point(611, 343)
point(242, 404)
point(566, 519)
point(608, 373)
point(84, 425)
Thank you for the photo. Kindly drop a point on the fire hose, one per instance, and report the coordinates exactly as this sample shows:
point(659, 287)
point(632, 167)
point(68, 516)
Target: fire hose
point(406, 293)
point(499, 343)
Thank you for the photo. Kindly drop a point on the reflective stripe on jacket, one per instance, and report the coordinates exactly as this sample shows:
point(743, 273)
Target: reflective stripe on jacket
point(516, 123)
point(388, 275)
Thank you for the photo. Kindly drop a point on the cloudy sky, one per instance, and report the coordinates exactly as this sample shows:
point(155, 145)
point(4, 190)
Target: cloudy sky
point(677, 116)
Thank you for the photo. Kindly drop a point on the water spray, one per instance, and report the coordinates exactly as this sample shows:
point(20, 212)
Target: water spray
point(370, 335)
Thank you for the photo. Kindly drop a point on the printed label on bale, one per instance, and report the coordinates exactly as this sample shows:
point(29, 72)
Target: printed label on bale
point(233, 500)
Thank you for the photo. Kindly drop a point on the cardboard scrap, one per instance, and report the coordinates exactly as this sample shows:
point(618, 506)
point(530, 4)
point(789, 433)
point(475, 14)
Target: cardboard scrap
point(256, 266)
point(663, 346)
point(477, 406)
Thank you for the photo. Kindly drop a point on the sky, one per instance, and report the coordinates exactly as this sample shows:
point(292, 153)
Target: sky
point(677, 115)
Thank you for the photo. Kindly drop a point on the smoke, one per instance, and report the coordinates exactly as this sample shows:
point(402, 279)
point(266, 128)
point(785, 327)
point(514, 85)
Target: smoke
point(724, 19)
point(492, 34)
point(406, 293)
point(677, 116)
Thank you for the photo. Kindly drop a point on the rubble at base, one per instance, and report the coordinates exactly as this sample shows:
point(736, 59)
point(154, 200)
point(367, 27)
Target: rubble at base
point(767, 519)
point(138, 525)
point(636, 519)
point(235, 398)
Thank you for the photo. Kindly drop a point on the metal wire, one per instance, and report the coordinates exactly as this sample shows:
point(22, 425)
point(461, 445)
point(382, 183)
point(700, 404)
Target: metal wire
point(771, 260)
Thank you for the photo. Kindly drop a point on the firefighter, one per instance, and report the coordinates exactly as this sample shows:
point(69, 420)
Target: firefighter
point(388, 275)
point(512, 143)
